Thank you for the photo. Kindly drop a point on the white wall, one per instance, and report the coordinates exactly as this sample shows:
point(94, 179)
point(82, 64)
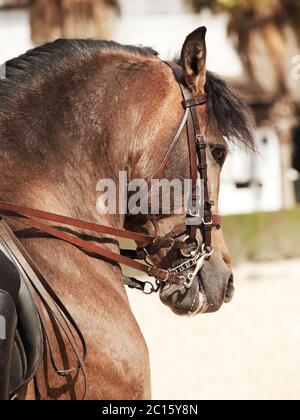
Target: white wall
point(164, 25)
point(150, 7)
point(14, 33)
point(261, 170)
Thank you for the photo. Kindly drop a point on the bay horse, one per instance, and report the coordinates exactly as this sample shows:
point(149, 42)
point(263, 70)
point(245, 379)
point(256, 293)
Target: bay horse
point(76, 111)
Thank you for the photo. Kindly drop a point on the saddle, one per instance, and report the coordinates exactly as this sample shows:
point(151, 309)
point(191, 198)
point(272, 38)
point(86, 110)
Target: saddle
point(32, 335)
point(28, 347)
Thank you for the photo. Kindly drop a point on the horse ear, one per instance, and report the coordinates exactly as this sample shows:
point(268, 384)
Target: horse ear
point(193, 60)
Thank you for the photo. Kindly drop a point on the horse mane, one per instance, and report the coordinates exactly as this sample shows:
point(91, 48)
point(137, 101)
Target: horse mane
point(22, 73)
point(228, 112)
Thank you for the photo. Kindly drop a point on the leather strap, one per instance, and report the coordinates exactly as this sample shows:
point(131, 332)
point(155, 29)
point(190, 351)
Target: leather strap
point(159, 173)
point(187, 95)
point(38, 286)
point(195, 101)
point(197, 149)
point(201, 147)
point(156, 272)
point(70, 221)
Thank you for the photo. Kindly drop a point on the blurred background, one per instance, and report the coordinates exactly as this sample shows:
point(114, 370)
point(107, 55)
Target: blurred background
point(250, 349)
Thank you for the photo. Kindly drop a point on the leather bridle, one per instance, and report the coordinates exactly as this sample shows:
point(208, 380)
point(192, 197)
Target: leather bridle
point(173, 240)
point(183, 237)
point(198, 162)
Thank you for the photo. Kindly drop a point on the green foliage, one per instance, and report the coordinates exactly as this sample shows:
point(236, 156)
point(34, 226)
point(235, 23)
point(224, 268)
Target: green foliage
point(263, 236)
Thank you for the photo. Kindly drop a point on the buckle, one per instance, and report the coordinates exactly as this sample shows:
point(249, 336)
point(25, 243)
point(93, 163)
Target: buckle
point(193, 213)
point(210, 223)
point(154, 246)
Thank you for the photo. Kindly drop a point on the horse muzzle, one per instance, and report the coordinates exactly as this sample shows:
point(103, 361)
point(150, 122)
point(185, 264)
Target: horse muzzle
point(212, 286)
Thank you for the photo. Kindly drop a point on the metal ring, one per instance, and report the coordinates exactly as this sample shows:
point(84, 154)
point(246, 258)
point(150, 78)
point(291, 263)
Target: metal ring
point(193, 252)
point(205, 251)
point(188, 281)
point(151, 288)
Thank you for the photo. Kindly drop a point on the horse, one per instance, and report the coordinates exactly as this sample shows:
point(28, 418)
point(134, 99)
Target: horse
point(73, 112)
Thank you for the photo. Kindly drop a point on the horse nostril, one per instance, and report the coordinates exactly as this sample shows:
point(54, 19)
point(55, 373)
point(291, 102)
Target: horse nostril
point(230, 289)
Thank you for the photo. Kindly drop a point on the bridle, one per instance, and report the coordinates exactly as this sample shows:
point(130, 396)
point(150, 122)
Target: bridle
point(195, 258)
point(182, 238)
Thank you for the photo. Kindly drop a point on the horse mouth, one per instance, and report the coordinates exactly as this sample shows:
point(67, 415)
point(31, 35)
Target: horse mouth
point(208, 292)
point(184, 301)
point(203, 306)
point(203, 303)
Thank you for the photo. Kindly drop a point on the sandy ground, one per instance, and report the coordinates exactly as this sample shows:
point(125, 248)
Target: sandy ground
point(250, 349)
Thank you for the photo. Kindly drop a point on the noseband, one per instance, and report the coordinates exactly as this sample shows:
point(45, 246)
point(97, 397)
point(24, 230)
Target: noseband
point(194, 219)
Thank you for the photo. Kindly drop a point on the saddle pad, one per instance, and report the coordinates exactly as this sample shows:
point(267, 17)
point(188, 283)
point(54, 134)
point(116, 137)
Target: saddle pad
point(28, 347)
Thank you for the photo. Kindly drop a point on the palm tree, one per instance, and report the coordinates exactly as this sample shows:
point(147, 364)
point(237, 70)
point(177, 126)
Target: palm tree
point(267, 37)
point(71, 19)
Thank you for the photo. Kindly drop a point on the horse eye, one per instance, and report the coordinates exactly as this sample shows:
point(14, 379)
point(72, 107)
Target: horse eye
point(219, 154)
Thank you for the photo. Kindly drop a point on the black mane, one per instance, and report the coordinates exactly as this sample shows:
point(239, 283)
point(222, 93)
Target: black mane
point(228, 113)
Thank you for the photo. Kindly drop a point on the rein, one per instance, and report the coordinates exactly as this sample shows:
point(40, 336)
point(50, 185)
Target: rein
point(26, 215)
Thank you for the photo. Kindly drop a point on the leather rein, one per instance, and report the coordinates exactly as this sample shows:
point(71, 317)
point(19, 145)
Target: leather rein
point(180, 238)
